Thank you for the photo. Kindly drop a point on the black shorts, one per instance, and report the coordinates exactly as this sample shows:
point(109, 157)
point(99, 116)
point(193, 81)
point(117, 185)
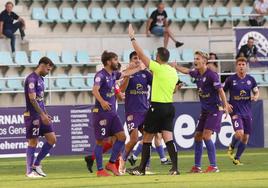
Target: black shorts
point(159, 117)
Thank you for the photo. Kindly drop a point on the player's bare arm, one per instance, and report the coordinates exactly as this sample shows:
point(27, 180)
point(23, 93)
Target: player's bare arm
point(256, 94)
point(1, 29)
point(148, 25)
point(136, 47)
point(226, 106)
point(182, 69)
point(104, 104)
point(124, 84)
point(44, 117)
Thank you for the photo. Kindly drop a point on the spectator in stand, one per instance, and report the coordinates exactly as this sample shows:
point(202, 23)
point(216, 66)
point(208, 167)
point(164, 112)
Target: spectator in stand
point(158, 25)
point(249, 51)
point(7, 27)
point(259, 7)
point(213, 65)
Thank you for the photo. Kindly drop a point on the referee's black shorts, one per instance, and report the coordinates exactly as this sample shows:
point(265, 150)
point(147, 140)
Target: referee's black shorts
point(159, 117)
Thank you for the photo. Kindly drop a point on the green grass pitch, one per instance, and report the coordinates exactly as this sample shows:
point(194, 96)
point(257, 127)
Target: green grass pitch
point(70, 171)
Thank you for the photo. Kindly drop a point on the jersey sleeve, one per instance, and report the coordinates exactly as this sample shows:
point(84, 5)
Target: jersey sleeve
point(1, 17)
point(153, 15)
point(31, 85)
point(254, 85)
point(149, 77)
point(99, 79)
point(165, 14)
point(154, 66)
point(117, 75)
point(216, 81)
point(193, 73)
point(15, 16)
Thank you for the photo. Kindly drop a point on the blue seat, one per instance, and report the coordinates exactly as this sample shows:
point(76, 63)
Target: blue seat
point(195, 14)
point(111, 14)
point(68, 15)
point(54, 57)
point(14, 83)
point(21, 58)
point(266, 78)
point(62, 82)
point(53, 14)
point(5, 58)
point(78, 83)
point(187, 80)
point(35, 57)
point(207, 12)
point(222, 14)
point(150, 11)
point(170, 13)
point(126, 55)
point(125, 15)
point(90, 80)
point(248, 10)
point(82, 15)
point(97, 14)
point(67, 57)
point(181, 14)
point(139, 14)
point(236, 14)
point(187, 55)
point(49, 84)
point(258, 77)
point(174, 55)
point(38, 14)
point(3, 86)
point(82, 57)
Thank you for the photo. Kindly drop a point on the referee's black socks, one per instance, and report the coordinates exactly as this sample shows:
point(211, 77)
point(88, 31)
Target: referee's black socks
point(172, 151)
point(145, 155)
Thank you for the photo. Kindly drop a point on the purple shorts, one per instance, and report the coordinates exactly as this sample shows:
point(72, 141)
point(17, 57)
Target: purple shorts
point(106, 124)
point(242, 123)
point(35, 127)
point(210, 121)
point(135, 120)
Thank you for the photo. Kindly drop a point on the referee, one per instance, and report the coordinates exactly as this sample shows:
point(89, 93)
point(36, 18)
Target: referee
point(161, 113)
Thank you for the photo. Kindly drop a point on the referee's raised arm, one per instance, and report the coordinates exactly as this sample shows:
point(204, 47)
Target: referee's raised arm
point(136, 47)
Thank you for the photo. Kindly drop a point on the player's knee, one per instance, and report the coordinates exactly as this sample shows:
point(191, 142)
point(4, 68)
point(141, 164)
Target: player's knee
point(32, 143)
point(121, 137)
point(239, 136)
point(198, 137)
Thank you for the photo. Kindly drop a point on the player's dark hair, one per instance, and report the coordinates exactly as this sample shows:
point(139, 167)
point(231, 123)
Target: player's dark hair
point(107, 56)
point(211, 53)
point(249, 38)
point(9, 3)
point(243, 59)
point(215, 63)
point(46, 61)
point(134, 53)
point(163, 54)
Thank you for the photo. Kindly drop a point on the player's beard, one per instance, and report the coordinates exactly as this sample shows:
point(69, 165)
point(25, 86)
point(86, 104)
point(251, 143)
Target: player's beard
point(114, 67)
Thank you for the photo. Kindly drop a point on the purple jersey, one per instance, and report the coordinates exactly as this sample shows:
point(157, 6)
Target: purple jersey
point(106, 82)
point(240, 93)
point(137, 92)
point(208, 85)
point(34, 84)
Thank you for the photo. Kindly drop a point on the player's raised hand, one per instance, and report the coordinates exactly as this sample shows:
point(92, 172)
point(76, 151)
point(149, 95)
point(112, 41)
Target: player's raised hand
point(131, 31)
point(105, 105)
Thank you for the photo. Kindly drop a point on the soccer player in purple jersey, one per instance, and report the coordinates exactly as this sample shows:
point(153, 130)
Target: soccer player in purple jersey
point(136, 105)
point(106, 122)
point(240, 86)
point(37, 121)
point(210, 92)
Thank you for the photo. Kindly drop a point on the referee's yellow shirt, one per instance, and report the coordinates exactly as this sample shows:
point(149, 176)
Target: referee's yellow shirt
point(164, 81)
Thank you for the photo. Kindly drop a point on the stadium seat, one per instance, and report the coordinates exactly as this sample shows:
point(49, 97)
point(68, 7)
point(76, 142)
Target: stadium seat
point(78, 83)
point(3, 86)
point(82, 57)
point(150, 11)
point(62, 82)
point(236, 14)
point(97, 14)
point(259, 78)
point(174, 55)
point(21, 58)
point(195, 14)
point(53, 15)
point(125, 15)
point(53, 56)
point(222, 15)
point(67, 57)
point(5, 58)
point(186, 79)
point(247, 10)
point(35, 57)
point(187, 55)
point(170, 13)
point(49, 84)
point(181, 15)
point(266, 77)
point(82, 15)
point(111, 14)
point(90, 80)
point(38, 14)
point(68, 15)
point(207, 12)
point(139, 14)
point(13, 83)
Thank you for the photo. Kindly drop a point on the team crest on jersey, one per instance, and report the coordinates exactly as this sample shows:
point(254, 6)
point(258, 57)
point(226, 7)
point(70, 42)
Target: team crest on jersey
point(139, 87)
point(97, 79)
point(36, 122)
point(234, 82)
point(143, 75)
point(103, 122)
point(249, 82)
point(31, 85)
point(204, 79)
point(129, 117)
